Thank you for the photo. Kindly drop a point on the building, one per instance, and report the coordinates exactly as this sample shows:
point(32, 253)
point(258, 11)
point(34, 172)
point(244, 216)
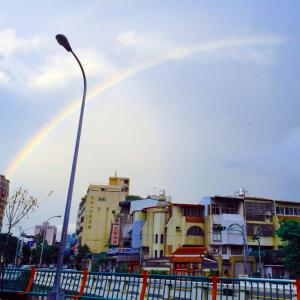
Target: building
point(242, 228)
point(159, 235)
point(96, 212)
point(234, 233)
point(4, 191)
point(50, 232)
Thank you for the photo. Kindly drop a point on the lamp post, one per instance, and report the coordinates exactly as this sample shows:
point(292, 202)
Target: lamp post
point(22, 231)
point(57, 293)
point(257, 238)
point(17, 248)
point(241, 229)
point(44, 237)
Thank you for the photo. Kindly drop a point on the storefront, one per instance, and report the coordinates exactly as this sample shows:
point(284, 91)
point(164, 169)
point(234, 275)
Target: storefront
point(188, 260)
point(122, 260)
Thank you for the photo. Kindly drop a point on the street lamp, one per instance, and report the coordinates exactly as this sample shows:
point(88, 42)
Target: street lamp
point(22, 232)
point(57, 293)
point(241, 229)
point(257, 238)
point(44, 236)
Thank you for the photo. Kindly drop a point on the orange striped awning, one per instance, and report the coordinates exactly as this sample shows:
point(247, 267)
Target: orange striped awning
point(188, 254)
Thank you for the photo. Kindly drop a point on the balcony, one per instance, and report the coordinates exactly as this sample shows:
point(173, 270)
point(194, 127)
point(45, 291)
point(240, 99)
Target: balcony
point(190, 219)
point(229, 237)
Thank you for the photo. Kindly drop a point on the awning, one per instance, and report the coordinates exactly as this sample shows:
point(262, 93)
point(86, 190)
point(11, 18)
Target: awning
point(187, 254)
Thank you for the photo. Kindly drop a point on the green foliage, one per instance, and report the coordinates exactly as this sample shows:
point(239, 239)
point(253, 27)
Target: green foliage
point(80, 258)
point(122, 269)
point(158, 272)
point(11, 245)
point(98, 260)
point(132, 198)
point(289, 232)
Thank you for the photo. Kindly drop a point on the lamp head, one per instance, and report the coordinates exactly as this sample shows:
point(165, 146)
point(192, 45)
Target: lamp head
point(63, 41)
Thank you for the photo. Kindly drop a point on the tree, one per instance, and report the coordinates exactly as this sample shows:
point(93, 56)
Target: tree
point(289, 232)
point(18, 206)
point(11, 249)
point(80, 258)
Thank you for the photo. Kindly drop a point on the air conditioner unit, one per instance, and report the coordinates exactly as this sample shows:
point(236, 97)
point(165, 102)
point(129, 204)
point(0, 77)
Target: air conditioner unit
point(214, 250)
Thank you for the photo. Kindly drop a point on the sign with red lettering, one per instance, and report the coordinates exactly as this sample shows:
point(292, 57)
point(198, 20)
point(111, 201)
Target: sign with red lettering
point(115, 233)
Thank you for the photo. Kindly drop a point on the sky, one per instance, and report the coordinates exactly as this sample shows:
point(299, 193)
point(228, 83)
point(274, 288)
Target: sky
point(194, 97)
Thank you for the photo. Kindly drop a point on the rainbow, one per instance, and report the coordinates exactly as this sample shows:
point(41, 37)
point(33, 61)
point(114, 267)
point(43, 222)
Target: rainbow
point(173, 54)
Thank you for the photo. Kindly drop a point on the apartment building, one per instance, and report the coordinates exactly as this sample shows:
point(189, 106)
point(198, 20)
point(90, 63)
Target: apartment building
point(47, 230)
point(96, 212)
point(4, 191)
point(222, 232)
point(226, 236)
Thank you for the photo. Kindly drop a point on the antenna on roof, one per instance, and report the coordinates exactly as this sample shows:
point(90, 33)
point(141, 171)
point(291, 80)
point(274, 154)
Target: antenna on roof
point(241, 192)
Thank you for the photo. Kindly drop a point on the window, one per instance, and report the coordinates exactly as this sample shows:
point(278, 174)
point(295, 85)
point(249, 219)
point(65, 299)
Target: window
point(195, 231)
point(216, 236)
point(192, 211)
point(236, 250)
point(215, 210)
point(161, 253)
point(155, 253)
point(286, 210)
point(156, 238)
point(161, 238)
point(224, 249)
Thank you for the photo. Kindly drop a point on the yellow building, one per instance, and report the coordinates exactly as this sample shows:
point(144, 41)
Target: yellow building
point(185, 227)
point(96, 212)
point(234, 224)
point(259, 216)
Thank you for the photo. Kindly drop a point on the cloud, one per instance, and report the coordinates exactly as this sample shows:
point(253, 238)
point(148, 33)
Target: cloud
point(249, 49)
point(142, 40)
point(4, 78)
point(11, 43)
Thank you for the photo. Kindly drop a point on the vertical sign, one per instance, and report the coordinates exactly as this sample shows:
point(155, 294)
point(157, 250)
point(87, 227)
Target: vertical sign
point(115, 233)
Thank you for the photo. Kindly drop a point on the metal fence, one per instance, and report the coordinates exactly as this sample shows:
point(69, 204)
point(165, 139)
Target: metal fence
point(117, 286)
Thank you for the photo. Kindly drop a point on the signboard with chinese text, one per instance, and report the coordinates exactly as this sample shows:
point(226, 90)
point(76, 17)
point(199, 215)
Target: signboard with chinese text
point(115, 233)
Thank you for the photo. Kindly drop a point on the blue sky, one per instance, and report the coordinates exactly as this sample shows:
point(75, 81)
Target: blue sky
point(201, 124)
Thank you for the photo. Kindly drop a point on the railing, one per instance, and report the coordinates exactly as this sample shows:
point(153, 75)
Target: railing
point(84, 285)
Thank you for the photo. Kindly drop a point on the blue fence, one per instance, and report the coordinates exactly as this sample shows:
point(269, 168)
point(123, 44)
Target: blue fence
point(84, 285)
